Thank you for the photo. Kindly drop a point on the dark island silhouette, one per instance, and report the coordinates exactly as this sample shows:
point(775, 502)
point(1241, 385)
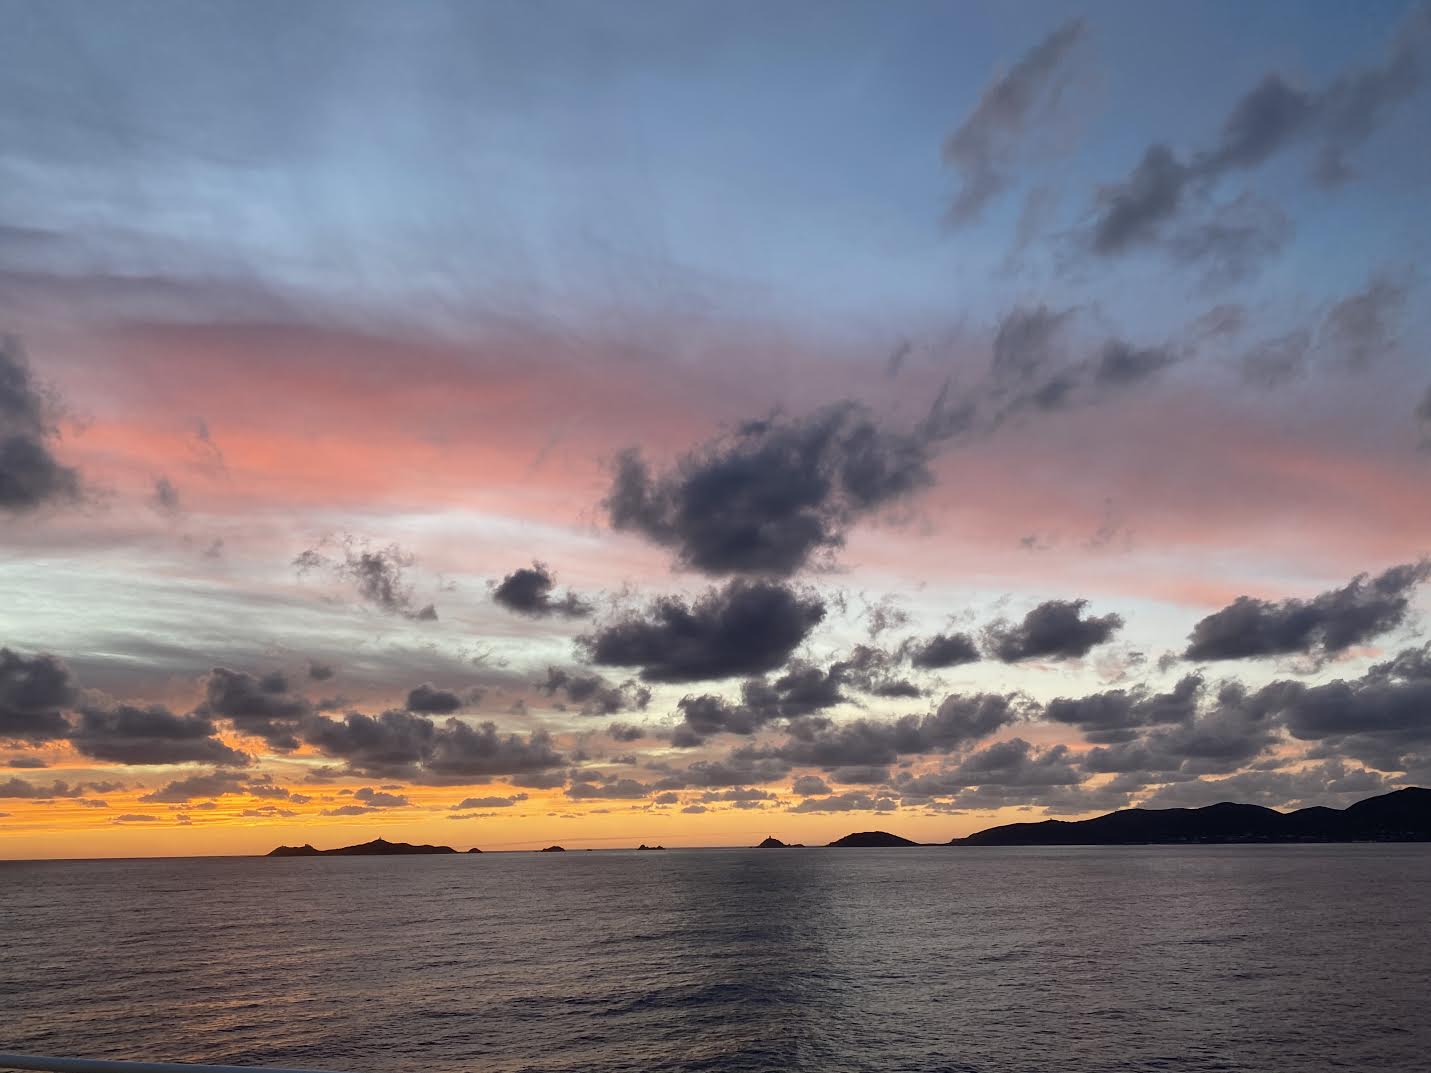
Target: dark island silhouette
point(1400, 816)
point(871, 840)
point(378, 847)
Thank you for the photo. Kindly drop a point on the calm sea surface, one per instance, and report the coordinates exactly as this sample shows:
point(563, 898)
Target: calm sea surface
point(1270, 959)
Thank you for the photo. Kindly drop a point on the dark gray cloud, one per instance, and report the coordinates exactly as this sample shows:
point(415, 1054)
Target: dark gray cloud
point(210, 784)
point(1232, 240)
point(1325, 625)
point(1121, 364)
point(128, 734)
point(809, 786)
point(986, 145)
point(430, 700)
point(1239, 727)
point(58, 788)
point(593, 694)
point(901, 688)
point(1262, 122)
point(1131, 212)
point(1012, 764)
point(30, 763)
point(1027, 342)
point(1272, 362)
point(860, 774)
point(895, 362)
point(1382, 718)
point(768, 496)
point(706, 713)
point(320, 672)
point(393, 743)
point(739, 796)
point(743, 767)
point(1030, 369)
point(380, 798)
point(942, 650)
point(487, 802)
point(872, 670)
point(264, 786)
point(853, 801)
point(625, 732)
point(959, 721)
point(34, 693)
point(463, 751)
point(205, 453)
point(166, 496)
point(1118, 715)
point(774, 495)
point(263, 707)
point(1351, 334)
point(884, 615)
point(539, 780)
point(30, 474)
point(746, 627)
point(1269, 119)
point(801, 691)
point(804, 689)
point(1037, 209)
point(529, 591)
point(1362, 327)
point(217, 784)
point(1423, 415)
point(1222, 322)
point(400, 744)
point(612, 788)
point(378, 574)
point(1055, 629)
point(962, 719)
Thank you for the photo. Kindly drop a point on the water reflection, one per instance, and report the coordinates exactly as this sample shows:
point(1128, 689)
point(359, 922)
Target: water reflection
point(1246, 959)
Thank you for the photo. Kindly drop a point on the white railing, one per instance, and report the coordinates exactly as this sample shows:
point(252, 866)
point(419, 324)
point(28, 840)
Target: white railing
point(47, 1064)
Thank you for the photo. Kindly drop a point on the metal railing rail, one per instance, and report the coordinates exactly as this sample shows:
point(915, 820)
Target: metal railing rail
point(48, 1064)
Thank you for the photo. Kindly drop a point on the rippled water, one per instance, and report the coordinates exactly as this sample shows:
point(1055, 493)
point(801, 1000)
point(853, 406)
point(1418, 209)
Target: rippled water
point(1267, 959)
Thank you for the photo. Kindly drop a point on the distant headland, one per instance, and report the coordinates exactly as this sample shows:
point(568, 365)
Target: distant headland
point(1400, 816)
point(378, 847)
point(871, 840)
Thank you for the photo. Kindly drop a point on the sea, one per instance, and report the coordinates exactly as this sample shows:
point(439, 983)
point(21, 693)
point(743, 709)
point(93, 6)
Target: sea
point(1234, 959)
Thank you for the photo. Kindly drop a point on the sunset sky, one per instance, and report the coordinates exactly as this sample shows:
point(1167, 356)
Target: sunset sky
point(508, 424)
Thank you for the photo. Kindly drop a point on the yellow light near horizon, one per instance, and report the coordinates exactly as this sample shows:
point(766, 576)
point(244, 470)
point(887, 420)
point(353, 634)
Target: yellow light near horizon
point(35, 831)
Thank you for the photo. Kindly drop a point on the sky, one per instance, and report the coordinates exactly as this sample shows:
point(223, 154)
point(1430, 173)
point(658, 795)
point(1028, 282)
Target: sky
point(507, 424)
